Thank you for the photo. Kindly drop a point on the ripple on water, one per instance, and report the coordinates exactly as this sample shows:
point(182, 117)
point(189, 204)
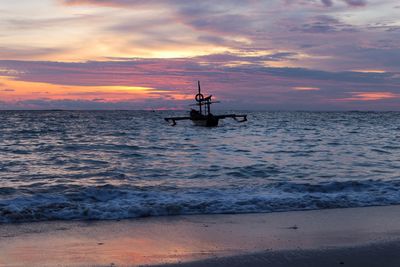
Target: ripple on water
point(127, 164)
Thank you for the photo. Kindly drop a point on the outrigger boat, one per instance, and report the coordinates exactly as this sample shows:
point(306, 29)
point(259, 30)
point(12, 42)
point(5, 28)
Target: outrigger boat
point(203, 116)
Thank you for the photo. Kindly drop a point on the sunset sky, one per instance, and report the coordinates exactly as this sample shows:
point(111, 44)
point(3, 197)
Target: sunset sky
point(250, 54)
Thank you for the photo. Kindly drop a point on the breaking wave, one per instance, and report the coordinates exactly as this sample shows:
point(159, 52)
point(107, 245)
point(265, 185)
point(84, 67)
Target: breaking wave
point(123, 202)
point(70, 165)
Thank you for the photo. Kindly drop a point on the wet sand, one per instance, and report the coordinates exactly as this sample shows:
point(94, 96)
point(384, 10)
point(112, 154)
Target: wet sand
point(372, 255)
point(338, 237)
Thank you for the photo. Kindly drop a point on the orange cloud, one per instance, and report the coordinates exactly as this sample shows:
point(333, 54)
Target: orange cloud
point(370, 71)
point(369, 96)
point(23, 90)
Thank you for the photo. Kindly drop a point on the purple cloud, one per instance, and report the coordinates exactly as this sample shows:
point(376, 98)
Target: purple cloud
point(264, 50)
point(327, 2)
point(248, 86)
point(324, 24)
point(356, 2)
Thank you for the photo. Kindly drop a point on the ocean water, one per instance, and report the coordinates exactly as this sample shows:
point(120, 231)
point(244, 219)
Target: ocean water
point(71, 165)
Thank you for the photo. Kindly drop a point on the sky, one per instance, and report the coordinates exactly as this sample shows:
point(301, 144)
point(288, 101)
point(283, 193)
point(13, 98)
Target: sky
point(249, 54)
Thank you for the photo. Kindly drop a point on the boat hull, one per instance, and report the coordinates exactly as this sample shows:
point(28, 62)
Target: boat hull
point(206, 122)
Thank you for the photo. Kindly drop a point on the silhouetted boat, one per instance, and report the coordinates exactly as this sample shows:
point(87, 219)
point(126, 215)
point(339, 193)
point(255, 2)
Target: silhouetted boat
point(203, 116)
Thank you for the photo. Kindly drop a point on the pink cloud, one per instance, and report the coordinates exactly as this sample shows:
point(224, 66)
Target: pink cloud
point(248, 86)
point(370, 96)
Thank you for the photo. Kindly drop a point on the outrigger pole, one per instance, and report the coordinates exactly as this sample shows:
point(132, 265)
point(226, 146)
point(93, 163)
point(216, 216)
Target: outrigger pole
point(206, 119)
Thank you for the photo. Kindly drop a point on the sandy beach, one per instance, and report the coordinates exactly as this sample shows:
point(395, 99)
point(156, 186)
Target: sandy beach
point(353, 237)
point(372, 255)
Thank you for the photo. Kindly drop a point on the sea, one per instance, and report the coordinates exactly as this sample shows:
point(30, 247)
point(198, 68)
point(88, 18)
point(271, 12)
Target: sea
point(111, 165)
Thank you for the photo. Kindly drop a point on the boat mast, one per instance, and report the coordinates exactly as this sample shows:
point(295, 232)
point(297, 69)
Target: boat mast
point(200, 104)
point(204, 115)
point(208, 103)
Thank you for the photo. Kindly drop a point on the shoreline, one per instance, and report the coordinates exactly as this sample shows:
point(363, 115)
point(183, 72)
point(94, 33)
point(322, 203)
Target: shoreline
point(214, 240)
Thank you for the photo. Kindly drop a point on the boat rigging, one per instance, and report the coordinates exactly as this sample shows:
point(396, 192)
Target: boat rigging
point(203, 116)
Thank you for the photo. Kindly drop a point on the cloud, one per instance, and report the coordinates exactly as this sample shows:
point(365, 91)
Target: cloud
point(47, 23)
point(26, 51)
point(324, 24)
point(95, 104)
point(370, 96)
point(107, 2)
point(244, 86)
point(327, 2)
point(139, 3)
point(250, 53)
point(356, 2)
point(305, 88)
point(174, 29)
point(147, 72)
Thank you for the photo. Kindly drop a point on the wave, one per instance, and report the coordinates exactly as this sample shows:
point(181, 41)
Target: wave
point(110, 202)
point(128, 164)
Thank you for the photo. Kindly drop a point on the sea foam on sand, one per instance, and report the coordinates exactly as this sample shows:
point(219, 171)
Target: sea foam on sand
point(348, 237)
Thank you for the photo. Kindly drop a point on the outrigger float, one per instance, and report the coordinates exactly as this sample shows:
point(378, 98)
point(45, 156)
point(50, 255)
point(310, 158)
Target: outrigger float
point(203, 116)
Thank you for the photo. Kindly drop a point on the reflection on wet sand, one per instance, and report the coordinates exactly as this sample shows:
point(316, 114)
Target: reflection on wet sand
point(187, 238)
